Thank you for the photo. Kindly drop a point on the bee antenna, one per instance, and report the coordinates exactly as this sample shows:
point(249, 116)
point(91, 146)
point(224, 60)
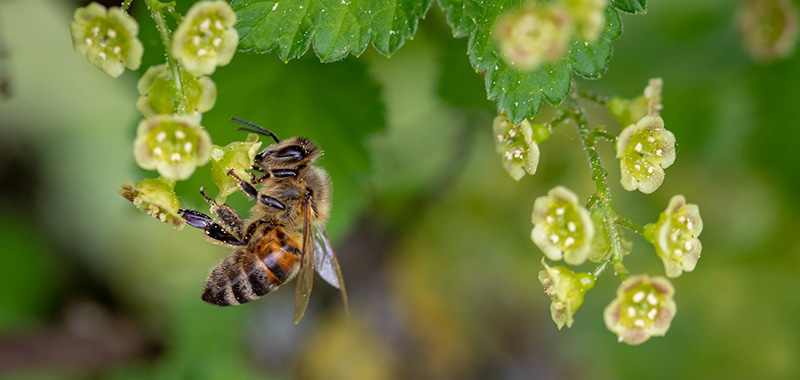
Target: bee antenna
point(255, 128)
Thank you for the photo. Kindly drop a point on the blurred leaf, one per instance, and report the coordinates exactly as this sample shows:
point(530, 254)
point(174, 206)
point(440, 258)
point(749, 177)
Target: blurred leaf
point(631, 6)
point(520, 93)
point(335, 27)
point(30, 275)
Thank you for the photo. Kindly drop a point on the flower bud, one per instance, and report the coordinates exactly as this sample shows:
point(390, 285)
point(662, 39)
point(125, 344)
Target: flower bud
point(516, 146)
point(566, 289)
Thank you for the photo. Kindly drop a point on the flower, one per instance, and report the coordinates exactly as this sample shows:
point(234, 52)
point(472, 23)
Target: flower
point(566, 289)
point(561, 227)
point(173, 145)
point(643, 308)
point(644, 150)
point(517, 146)
point(158, 95)
point(156, 197)
point(238, 156)
point(675, 236)
point(206, 37)
point(648, 103)
point(108, 37)
point(589, 16)
point(768, 29)
point(534, 35)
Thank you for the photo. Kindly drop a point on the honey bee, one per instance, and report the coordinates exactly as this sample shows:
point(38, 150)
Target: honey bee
point(283, 238)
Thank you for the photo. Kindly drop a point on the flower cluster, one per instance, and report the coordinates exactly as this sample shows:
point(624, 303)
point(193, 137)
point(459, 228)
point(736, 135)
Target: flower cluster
point(644, 150)
point(238, 156)
point(108, 37)
point(675, 236)
point(643, 308)
point(565, 289)
point(158, 95)
point(156, 197)
point(206, 37)
point(517, 145)
point(561, 227)
point(173, 145)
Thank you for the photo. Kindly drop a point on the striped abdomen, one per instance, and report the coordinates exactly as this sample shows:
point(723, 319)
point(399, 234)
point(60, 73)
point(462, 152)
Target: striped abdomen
point(271, 258)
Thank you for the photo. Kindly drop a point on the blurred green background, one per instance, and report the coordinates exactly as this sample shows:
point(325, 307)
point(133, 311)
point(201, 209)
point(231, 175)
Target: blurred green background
point(432, 234)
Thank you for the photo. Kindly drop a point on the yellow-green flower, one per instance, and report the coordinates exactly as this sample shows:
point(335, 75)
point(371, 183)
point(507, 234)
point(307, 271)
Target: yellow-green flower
point(156, 197)
point(533, 35)
point(238, 156)
point(517, 146)
point(562, 227)
point(566, 289)
point(108, 37)
point(644, 307)
point(768, 29)
point(589, 16)
point(158, 96)
point(173, 145)
point(206, 37)
point(675, 236)
point(644, 150)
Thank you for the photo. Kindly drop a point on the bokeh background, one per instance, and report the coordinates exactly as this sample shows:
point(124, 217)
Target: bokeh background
point(432, 234)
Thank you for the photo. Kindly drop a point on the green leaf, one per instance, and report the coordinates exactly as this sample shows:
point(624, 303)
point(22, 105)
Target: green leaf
point(336, 28)
point(631, 6)
point(520, 93)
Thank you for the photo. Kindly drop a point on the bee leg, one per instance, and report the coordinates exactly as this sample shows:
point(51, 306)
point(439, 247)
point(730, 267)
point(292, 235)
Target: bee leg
point(246, 188)
point(211, 228)
point(227, 216)
point(253, 193)
point(260, 178)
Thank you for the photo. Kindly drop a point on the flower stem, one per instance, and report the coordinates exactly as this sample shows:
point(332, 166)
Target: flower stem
point(599, 99)
point(560, 118)
point(627, 223)
point(125, 5)
point(599, 175)
point(156, 8)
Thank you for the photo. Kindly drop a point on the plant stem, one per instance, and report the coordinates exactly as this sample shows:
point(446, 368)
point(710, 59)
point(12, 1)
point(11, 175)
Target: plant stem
point(125, 5)
point(155, 8)
point(584, 93)
point(560, 118)
point(627, 223)
point(599, 175)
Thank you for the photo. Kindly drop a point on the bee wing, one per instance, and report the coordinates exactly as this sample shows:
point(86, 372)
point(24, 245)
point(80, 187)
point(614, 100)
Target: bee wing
point(305, 279)
point(326, 263)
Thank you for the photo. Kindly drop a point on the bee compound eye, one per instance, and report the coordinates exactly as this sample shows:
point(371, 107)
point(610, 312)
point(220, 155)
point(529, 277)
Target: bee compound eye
point(292, 151)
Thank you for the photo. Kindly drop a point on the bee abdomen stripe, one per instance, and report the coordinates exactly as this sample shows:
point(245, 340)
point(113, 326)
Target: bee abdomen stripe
point(273, 263)
point(242, 289)
point(261, 281)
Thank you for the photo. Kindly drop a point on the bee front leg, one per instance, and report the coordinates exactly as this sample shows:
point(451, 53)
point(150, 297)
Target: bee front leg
point(251, 192)
point(211, 228)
